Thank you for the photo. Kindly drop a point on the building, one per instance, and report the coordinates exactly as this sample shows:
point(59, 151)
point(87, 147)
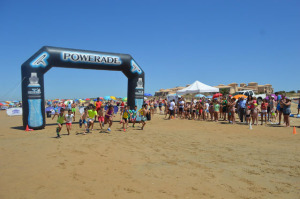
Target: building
point(165, 92)
point(234, 87)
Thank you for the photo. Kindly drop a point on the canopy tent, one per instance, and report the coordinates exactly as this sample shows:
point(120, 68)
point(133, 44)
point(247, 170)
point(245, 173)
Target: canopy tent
point(198, 87)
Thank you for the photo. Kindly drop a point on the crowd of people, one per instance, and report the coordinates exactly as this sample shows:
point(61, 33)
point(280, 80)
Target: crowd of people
point(273, 110)
point(270, 110)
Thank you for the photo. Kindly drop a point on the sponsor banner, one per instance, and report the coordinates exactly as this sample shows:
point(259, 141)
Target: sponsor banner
point(71, 56)
point(14, 111)
point(53, 110)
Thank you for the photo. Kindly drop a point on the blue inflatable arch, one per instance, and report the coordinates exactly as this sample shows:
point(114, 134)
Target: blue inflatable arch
point(35, 67)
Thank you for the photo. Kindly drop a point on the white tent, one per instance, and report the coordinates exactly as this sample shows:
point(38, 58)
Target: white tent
point(198, 87)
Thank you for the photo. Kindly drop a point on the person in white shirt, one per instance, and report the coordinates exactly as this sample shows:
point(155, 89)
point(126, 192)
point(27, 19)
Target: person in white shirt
point(181, 107)
point(69, 118)
point(172, 109)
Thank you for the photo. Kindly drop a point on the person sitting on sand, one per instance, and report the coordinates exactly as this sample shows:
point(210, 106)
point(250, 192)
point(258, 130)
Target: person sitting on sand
point(60, 121)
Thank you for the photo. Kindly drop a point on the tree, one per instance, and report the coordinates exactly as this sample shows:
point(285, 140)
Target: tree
point(224, 91)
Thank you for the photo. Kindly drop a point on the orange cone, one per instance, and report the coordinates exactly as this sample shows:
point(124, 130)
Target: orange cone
point(294, 131)
point(28, 129)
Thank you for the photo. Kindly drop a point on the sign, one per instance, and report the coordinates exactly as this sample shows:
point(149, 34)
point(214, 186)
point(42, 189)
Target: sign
point(90, 58)
point(14, 111)
point(40, 61)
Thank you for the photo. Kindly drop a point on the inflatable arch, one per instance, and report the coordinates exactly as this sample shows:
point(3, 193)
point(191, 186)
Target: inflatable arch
point(35, 67)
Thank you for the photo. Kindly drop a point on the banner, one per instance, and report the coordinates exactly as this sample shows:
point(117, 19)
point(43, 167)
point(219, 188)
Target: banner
point(14, 111)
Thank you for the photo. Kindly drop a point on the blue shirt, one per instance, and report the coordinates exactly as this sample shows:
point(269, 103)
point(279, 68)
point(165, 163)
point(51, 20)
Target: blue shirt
point(242, 104)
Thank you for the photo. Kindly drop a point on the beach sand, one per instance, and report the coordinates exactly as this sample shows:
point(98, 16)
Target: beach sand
point(169, 159)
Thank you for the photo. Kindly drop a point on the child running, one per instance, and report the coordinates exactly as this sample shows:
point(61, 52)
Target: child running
point(60, 121)
point(125, 117)
point(108, 117)
point(133, 115)
point(143, 112)
point(69, 118)
point(101, 116)
point(92, 115)
point(83, 120)
point(73, 108)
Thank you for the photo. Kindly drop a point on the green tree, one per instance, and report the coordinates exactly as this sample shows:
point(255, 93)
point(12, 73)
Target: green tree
point(224, 91)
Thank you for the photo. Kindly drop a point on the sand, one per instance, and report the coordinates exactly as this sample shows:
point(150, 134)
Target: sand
point(169, 159)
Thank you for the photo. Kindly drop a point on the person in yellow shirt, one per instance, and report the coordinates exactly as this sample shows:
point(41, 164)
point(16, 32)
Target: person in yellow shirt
point(125, 117)
point(91, 118)
point(143, 113)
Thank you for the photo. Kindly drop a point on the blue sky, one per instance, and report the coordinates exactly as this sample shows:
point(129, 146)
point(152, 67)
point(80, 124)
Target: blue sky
point(175, 42)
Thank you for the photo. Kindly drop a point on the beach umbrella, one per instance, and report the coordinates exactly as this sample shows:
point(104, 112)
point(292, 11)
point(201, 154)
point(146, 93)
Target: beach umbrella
point(87, 99)
point(113, 97)
point(49, 103)
point(209, 97)
point(16, 101)
point(7, 102)
point(217, 95)
point(11, 104)
point(94, 100)
point(238, 96)
point(1, 104)
point(199, 95)
point(107, 98)
point(124, 99)
point(101, 98)
point(147, 95)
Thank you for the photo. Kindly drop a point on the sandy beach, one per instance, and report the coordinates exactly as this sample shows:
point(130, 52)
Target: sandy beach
point(169, 159)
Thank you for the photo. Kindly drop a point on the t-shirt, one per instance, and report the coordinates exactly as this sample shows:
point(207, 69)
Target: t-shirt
point(181, 104)
point(133, 113)
point(216, 107)
point(126, 114)
point(172, 106)
point(98, 104)
point(92, 114)
point(69, 118)
point(60, 119)
point(206, 106)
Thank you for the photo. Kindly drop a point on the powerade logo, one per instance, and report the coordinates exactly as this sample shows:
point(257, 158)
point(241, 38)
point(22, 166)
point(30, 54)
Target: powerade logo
point(34, 91)
point(40, 61)
point(135, 68)
point(90, 58)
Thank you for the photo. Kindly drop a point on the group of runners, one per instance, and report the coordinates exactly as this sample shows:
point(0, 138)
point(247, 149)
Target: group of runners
point(96, 112)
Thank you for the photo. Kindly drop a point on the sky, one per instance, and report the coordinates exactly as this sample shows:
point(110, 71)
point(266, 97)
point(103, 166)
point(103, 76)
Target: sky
point(174, 42)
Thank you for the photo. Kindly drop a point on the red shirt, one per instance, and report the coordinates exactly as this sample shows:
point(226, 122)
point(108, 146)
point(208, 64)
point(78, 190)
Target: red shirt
point(98, 104)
